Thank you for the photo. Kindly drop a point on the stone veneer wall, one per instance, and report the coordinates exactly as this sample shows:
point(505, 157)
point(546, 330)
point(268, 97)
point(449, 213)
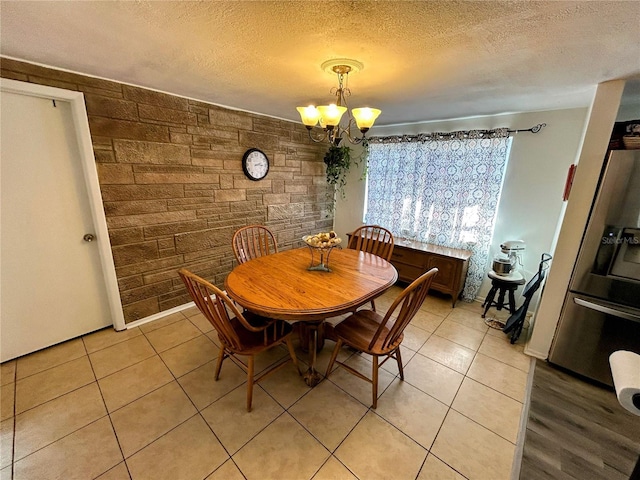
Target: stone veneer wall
point(172, 183)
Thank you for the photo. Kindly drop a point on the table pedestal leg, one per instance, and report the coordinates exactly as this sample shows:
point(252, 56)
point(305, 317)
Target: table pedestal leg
point(311, 376)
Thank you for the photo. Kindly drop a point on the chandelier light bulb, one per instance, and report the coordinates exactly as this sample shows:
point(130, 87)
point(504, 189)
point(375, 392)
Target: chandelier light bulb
point(331, 114)
point(365, 117)
point(309, 115)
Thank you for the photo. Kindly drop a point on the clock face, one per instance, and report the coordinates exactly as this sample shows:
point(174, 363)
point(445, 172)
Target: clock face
point(255, 164)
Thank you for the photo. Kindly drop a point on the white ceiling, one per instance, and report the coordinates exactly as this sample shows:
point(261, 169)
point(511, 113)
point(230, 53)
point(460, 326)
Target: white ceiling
point(424, 60)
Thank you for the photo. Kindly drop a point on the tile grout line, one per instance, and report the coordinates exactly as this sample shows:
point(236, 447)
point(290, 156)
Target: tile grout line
point(113, 429)
point(13, 439)
point(198, 411)
point(175, 379)
point(449, 408)
point(522, 431)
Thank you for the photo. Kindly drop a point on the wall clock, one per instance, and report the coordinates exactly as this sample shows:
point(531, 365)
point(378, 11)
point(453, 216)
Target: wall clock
point(255, 164)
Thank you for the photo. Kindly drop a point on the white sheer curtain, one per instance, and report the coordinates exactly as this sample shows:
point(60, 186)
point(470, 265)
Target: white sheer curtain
point(444, 192)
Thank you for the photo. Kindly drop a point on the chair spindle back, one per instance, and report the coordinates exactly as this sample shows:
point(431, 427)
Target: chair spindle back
point(213, 303)
point(372, 239)
point(253, 241)
point(408, 303)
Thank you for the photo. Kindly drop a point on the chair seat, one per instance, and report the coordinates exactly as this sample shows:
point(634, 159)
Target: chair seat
point(358, 329)
point(253, 342)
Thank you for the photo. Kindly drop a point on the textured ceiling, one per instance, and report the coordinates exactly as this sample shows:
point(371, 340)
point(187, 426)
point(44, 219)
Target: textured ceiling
point(423, 60)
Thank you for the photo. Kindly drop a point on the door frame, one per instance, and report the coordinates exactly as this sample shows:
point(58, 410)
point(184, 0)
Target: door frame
point(90, 174)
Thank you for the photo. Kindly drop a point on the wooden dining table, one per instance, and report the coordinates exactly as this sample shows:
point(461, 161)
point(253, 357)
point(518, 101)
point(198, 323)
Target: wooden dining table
point(281, 286)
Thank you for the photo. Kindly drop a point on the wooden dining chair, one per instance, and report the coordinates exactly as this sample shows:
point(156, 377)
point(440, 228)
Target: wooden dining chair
point(369, 332)
point(253, 241)
point(372, 239)
point(243, 334)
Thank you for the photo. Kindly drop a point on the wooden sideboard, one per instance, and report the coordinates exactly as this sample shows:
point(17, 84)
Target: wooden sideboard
point(412, 259)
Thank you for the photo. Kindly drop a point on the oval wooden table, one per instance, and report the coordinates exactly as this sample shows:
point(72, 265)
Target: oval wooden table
point(280, 286)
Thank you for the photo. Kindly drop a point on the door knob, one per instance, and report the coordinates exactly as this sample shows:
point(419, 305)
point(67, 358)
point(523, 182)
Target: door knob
point(89, 237)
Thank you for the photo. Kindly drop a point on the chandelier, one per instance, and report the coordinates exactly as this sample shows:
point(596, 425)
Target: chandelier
point(329, 116)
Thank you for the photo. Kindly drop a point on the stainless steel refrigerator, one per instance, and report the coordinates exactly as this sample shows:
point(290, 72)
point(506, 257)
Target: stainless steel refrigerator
point(601, 311)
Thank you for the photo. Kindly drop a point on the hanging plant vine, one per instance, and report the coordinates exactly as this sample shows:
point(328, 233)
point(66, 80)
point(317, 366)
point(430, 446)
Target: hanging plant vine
point(338, 161)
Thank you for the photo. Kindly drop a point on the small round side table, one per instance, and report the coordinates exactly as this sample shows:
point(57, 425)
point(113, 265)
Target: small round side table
point(501, 285)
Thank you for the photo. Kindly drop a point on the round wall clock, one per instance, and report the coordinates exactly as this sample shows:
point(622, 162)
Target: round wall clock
point(255, 164)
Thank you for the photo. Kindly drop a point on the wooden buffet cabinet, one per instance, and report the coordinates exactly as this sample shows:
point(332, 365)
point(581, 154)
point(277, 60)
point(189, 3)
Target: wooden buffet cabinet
point(412, 259)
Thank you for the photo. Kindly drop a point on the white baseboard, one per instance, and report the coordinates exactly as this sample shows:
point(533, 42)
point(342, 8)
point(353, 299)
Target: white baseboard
point(159, 315)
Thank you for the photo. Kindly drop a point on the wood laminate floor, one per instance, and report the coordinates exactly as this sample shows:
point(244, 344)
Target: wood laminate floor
point(577, 430)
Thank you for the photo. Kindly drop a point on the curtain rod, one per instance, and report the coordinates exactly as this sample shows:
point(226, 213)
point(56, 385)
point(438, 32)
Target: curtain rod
point(457, 135)
point(534, 129)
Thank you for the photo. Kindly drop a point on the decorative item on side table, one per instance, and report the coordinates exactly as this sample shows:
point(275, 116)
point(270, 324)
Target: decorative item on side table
point(631, 139)
point(322, 242)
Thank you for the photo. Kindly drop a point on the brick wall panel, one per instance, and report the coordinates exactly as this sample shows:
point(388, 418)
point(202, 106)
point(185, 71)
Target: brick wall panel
point(276, 198)
point(53, 83)
point(123, 236)
point(149, 97)
point(213, 134)
point(169, 115)
point(141, 309)
point(21, 77)
point(283, 175)
point(129, 151)
point(234, 195)
point(134, 253)
point(262, 141)
point(141, 192)
point(281, 212)
point(182, 138)
point(111, 107)
point(243, 207)
point(223, 249)
point(279, 160)
point(108, 127)
point(159, 178)
point(135, 207)
point(203, 240)
point(101, 91)
point(101, 143)
point(141, 293)
point(173, 228)
point(151, 266)
point(104, 156)
point(296, 188)
point(111, 173)
point(209, 162)
point(149, 219)
point(127, 283)
point(227, 118)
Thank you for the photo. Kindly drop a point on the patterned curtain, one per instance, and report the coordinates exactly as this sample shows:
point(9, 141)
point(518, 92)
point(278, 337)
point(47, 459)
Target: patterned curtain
point(440, 191)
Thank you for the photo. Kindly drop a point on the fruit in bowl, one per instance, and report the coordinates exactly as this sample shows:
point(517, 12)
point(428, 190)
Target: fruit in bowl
point(322, 240)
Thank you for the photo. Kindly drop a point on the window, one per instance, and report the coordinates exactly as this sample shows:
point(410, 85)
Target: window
point(444, 192)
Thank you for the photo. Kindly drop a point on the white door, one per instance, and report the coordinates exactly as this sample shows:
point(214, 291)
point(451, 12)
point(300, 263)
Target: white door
point(52, 285)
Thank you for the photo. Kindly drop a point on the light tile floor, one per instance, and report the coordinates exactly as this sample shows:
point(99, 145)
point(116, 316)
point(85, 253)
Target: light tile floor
point(142, 404)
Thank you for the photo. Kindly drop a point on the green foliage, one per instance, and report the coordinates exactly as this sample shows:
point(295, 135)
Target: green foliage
point(338, 161)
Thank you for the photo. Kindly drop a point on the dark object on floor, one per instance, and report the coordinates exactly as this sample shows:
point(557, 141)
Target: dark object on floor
point(516, 321)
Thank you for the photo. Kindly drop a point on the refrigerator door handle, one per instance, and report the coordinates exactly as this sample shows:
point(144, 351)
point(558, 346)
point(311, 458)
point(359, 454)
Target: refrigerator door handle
point(606, 309)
